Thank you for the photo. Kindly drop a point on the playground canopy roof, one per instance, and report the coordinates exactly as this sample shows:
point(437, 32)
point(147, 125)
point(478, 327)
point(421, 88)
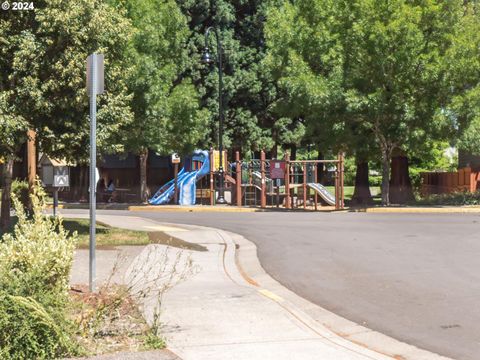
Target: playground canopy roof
point(45, 160)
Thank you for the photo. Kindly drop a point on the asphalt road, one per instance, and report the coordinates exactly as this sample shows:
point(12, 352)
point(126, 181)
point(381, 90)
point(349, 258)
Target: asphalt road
point(415, 277)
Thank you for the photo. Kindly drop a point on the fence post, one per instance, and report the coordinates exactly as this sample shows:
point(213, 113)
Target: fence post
point(263, 195)
point(238, 179)
point(287, 180)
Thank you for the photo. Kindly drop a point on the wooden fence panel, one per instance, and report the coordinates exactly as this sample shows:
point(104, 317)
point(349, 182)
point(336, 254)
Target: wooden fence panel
point(446, 182)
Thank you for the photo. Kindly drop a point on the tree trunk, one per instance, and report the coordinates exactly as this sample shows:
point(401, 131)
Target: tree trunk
point(274, 152)
point(293, 152)
point(401, 191)
point(6, 193)
point(362, 194)
point(144, 191)
point(386, 156)
point(320, 168)
point(84, 183)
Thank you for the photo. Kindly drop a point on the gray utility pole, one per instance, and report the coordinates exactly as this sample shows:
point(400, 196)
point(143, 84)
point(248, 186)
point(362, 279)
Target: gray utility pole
point(95, 85)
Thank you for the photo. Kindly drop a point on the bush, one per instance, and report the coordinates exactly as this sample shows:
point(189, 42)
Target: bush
point(35, 263)
point(375, 180)
point(20, 191)
point(28, 331)
point(457, 198)
point(38, 255)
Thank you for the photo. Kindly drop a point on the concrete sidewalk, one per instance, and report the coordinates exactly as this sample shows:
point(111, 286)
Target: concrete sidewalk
point(232, 309)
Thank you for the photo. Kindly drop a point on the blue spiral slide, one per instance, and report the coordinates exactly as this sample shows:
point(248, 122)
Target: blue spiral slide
point(187, 181)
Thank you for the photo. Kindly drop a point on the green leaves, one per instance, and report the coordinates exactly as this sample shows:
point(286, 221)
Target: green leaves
point(165, 106)
point(43, 72)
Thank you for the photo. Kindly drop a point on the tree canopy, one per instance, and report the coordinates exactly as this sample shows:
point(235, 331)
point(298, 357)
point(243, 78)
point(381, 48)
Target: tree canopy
point(376, 64)
point(43, 63)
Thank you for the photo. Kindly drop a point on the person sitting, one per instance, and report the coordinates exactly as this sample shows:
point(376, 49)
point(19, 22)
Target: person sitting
point(110, 190)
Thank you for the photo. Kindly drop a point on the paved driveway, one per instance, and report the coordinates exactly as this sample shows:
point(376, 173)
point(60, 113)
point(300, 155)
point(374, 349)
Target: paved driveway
point(415, 277)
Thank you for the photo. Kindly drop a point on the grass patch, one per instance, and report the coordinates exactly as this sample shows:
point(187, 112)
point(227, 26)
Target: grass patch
point(109, 237)
point(159, 237)
point(348, 191)
point(106, 236)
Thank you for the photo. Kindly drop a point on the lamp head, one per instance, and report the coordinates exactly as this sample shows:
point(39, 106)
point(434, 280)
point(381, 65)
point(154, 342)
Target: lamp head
point(206, 57)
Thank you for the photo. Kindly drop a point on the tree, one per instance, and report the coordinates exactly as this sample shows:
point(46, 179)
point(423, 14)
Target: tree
point(12, 130)
point(250, 94)
point(46, 61)
point(378, 62)
point(43, 62)
point(462, 65)
point(165, 103)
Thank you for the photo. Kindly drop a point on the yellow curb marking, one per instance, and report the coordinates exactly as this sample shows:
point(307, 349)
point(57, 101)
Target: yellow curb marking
point(270, 295)
point(425, 210)
point(164, 228)
point(190, 209)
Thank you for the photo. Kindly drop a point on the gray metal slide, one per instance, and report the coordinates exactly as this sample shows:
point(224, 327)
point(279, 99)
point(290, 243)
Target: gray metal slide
point(323, 192)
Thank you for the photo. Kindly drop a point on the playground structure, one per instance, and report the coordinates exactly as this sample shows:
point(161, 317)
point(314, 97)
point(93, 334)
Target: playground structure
point(260, 182)
point(196, 167)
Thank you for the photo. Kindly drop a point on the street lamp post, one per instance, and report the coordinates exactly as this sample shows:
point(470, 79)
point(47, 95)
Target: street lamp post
point(207, 59)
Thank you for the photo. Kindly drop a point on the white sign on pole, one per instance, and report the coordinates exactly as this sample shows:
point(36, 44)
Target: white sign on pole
point(175, 158)
point(100, 78)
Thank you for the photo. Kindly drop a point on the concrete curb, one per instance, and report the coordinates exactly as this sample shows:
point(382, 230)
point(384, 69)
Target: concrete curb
point(234, 209)
point(322, 321)
point(421, 210)
point(160, 208)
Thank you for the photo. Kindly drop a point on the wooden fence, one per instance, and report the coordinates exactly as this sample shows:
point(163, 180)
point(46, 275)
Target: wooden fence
point(446, 182)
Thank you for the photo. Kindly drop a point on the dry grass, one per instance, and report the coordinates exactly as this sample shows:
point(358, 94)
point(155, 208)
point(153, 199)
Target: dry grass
point(108, 321)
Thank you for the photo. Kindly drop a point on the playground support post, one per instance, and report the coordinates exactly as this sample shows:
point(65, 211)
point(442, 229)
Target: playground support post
point(238, 178)
point(287, 180)
point(212, 192)
point(304, 186)
point(342, 176)
point(315, 167)
point(263, 195)
point(339, 183)
point(337, 187)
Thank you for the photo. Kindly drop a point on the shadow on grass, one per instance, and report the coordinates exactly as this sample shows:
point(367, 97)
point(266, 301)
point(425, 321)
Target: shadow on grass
point(82, 226)
point(159, 237)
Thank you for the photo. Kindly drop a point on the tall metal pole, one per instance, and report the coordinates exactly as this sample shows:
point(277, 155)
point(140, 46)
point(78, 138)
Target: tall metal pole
point(93, 166)
point(221, 190)
point(221, 110)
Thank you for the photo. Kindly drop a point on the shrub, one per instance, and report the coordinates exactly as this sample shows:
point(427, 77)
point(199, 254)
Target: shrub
point(20, 191)
point(375, 180)
point(35, 263)
point(38, 255)
point(457, 198)
point(28, 331)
